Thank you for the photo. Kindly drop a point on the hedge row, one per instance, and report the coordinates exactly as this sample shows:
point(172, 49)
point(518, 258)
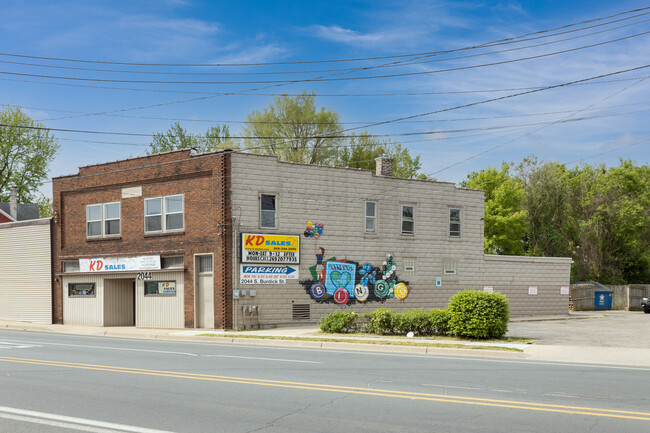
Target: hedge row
point(471, 314)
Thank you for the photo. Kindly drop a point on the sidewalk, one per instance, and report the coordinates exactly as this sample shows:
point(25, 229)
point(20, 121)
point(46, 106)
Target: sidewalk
point(310, 337)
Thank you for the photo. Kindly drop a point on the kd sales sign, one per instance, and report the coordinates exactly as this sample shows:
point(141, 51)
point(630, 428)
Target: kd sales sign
point(264, 248)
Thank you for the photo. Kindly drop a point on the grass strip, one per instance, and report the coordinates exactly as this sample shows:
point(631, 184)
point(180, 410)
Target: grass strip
point(359, 341)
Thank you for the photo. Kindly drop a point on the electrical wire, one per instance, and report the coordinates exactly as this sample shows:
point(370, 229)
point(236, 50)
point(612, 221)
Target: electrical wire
point(328, 79)
point(321, 61)
point(409, 63)
point(253, 122)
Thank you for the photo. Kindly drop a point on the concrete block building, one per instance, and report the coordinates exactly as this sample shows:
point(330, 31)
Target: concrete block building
point(237, 240)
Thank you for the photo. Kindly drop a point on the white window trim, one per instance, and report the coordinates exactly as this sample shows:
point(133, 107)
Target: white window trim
point(197, 261)
point(275, 212)
point(373, 217)
point(402, 220)
point(103, 220)
point(163, 214)
point(460, 223)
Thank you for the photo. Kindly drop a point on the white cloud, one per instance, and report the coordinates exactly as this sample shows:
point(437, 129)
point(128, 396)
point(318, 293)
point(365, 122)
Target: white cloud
point(340, 34)
point(251, 54)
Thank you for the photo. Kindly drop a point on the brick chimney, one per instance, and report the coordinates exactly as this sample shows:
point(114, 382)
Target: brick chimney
point(13, 203)
point(384, 166)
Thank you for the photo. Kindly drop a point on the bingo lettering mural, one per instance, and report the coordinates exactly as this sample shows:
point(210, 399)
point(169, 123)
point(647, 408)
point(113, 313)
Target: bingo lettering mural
point(345, 282)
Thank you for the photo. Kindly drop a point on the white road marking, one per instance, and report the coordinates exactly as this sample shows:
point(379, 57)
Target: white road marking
point(70, 422)
point(11, 345)
point(262, 359)
point(108, 348)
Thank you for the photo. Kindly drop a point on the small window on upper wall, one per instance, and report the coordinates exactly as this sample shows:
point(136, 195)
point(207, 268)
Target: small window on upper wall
point(103, 219)
point(371, 217)
point(408, 220)
point(164, 214)
point(454, 223)
point(268, 211)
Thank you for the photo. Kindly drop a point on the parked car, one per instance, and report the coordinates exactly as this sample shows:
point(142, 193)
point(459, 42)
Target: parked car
point(646, 305)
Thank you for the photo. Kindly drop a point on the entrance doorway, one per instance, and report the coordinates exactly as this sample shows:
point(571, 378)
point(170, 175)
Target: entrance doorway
point(119, 302)
point(204, 291)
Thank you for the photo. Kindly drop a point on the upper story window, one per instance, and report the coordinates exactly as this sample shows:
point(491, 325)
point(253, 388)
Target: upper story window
point(371, 217)
point(408, 220)
point(103, 219)
point(164, 214)
point(454, 222)
point(268, 211)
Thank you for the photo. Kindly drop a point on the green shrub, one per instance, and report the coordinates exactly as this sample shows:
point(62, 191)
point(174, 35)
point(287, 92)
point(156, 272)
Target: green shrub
point(380, 321)
point(339, 322)
point(439, 321)
point(416, 321)
point(476, 314)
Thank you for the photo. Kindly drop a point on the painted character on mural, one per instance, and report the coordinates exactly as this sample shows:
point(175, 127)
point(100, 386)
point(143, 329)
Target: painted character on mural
point(320, 268)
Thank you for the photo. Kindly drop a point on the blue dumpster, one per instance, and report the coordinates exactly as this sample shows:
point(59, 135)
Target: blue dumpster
point(603, 300)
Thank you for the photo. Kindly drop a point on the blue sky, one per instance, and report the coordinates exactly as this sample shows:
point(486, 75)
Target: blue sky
point(598, 121)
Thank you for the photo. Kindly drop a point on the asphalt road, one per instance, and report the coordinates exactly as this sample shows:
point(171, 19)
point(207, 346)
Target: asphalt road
point(62, 383)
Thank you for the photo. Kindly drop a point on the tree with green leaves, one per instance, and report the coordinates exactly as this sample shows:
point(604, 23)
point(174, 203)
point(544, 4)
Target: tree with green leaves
point(177, 137)
point(505, 218)
point(597, 216)
point(363, 149)
point(26, 150)
point(552, 195)
point(295, 130)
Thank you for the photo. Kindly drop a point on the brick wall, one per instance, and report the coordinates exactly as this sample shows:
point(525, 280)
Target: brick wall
point(202, 179)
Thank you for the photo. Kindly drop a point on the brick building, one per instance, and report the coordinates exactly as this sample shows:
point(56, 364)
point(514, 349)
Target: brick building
point(237, 240)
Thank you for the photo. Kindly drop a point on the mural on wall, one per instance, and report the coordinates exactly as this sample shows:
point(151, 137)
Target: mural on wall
point(314, 230)
point(345, 282)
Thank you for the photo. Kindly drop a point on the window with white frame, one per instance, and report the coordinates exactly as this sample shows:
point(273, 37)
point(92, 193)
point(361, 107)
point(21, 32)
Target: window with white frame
point(408, 220)
point(371, 217)
point(454, 223)
point(103, 219)
point(268, 211)
point(164, 214)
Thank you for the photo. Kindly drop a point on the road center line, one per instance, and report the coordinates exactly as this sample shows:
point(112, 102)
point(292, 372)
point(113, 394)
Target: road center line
point(70, 422)
point(542, 407)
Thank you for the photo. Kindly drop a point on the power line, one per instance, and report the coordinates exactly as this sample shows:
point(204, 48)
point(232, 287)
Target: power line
point(367, 77)
point(400, 56)
point(409, 63)
point(545, 126)
point(326, 136)
point(320, 95)
point(229, 122)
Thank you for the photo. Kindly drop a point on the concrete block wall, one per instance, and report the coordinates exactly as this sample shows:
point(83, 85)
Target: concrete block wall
point(336, 198)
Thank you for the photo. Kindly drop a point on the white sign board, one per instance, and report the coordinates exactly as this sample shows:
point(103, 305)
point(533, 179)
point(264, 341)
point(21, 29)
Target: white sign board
point(488, 289)
point(120, 264)
point(564, 290)
point(272, 274)
point(532, 290)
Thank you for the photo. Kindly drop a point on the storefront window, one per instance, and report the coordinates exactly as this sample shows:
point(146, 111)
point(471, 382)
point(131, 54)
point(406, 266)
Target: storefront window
point(81, 290)
point(167, 288)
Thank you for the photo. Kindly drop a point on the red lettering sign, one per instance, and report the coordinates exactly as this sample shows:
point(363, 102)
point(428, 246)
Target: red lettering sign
point(99, 264)
point(259, 240)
